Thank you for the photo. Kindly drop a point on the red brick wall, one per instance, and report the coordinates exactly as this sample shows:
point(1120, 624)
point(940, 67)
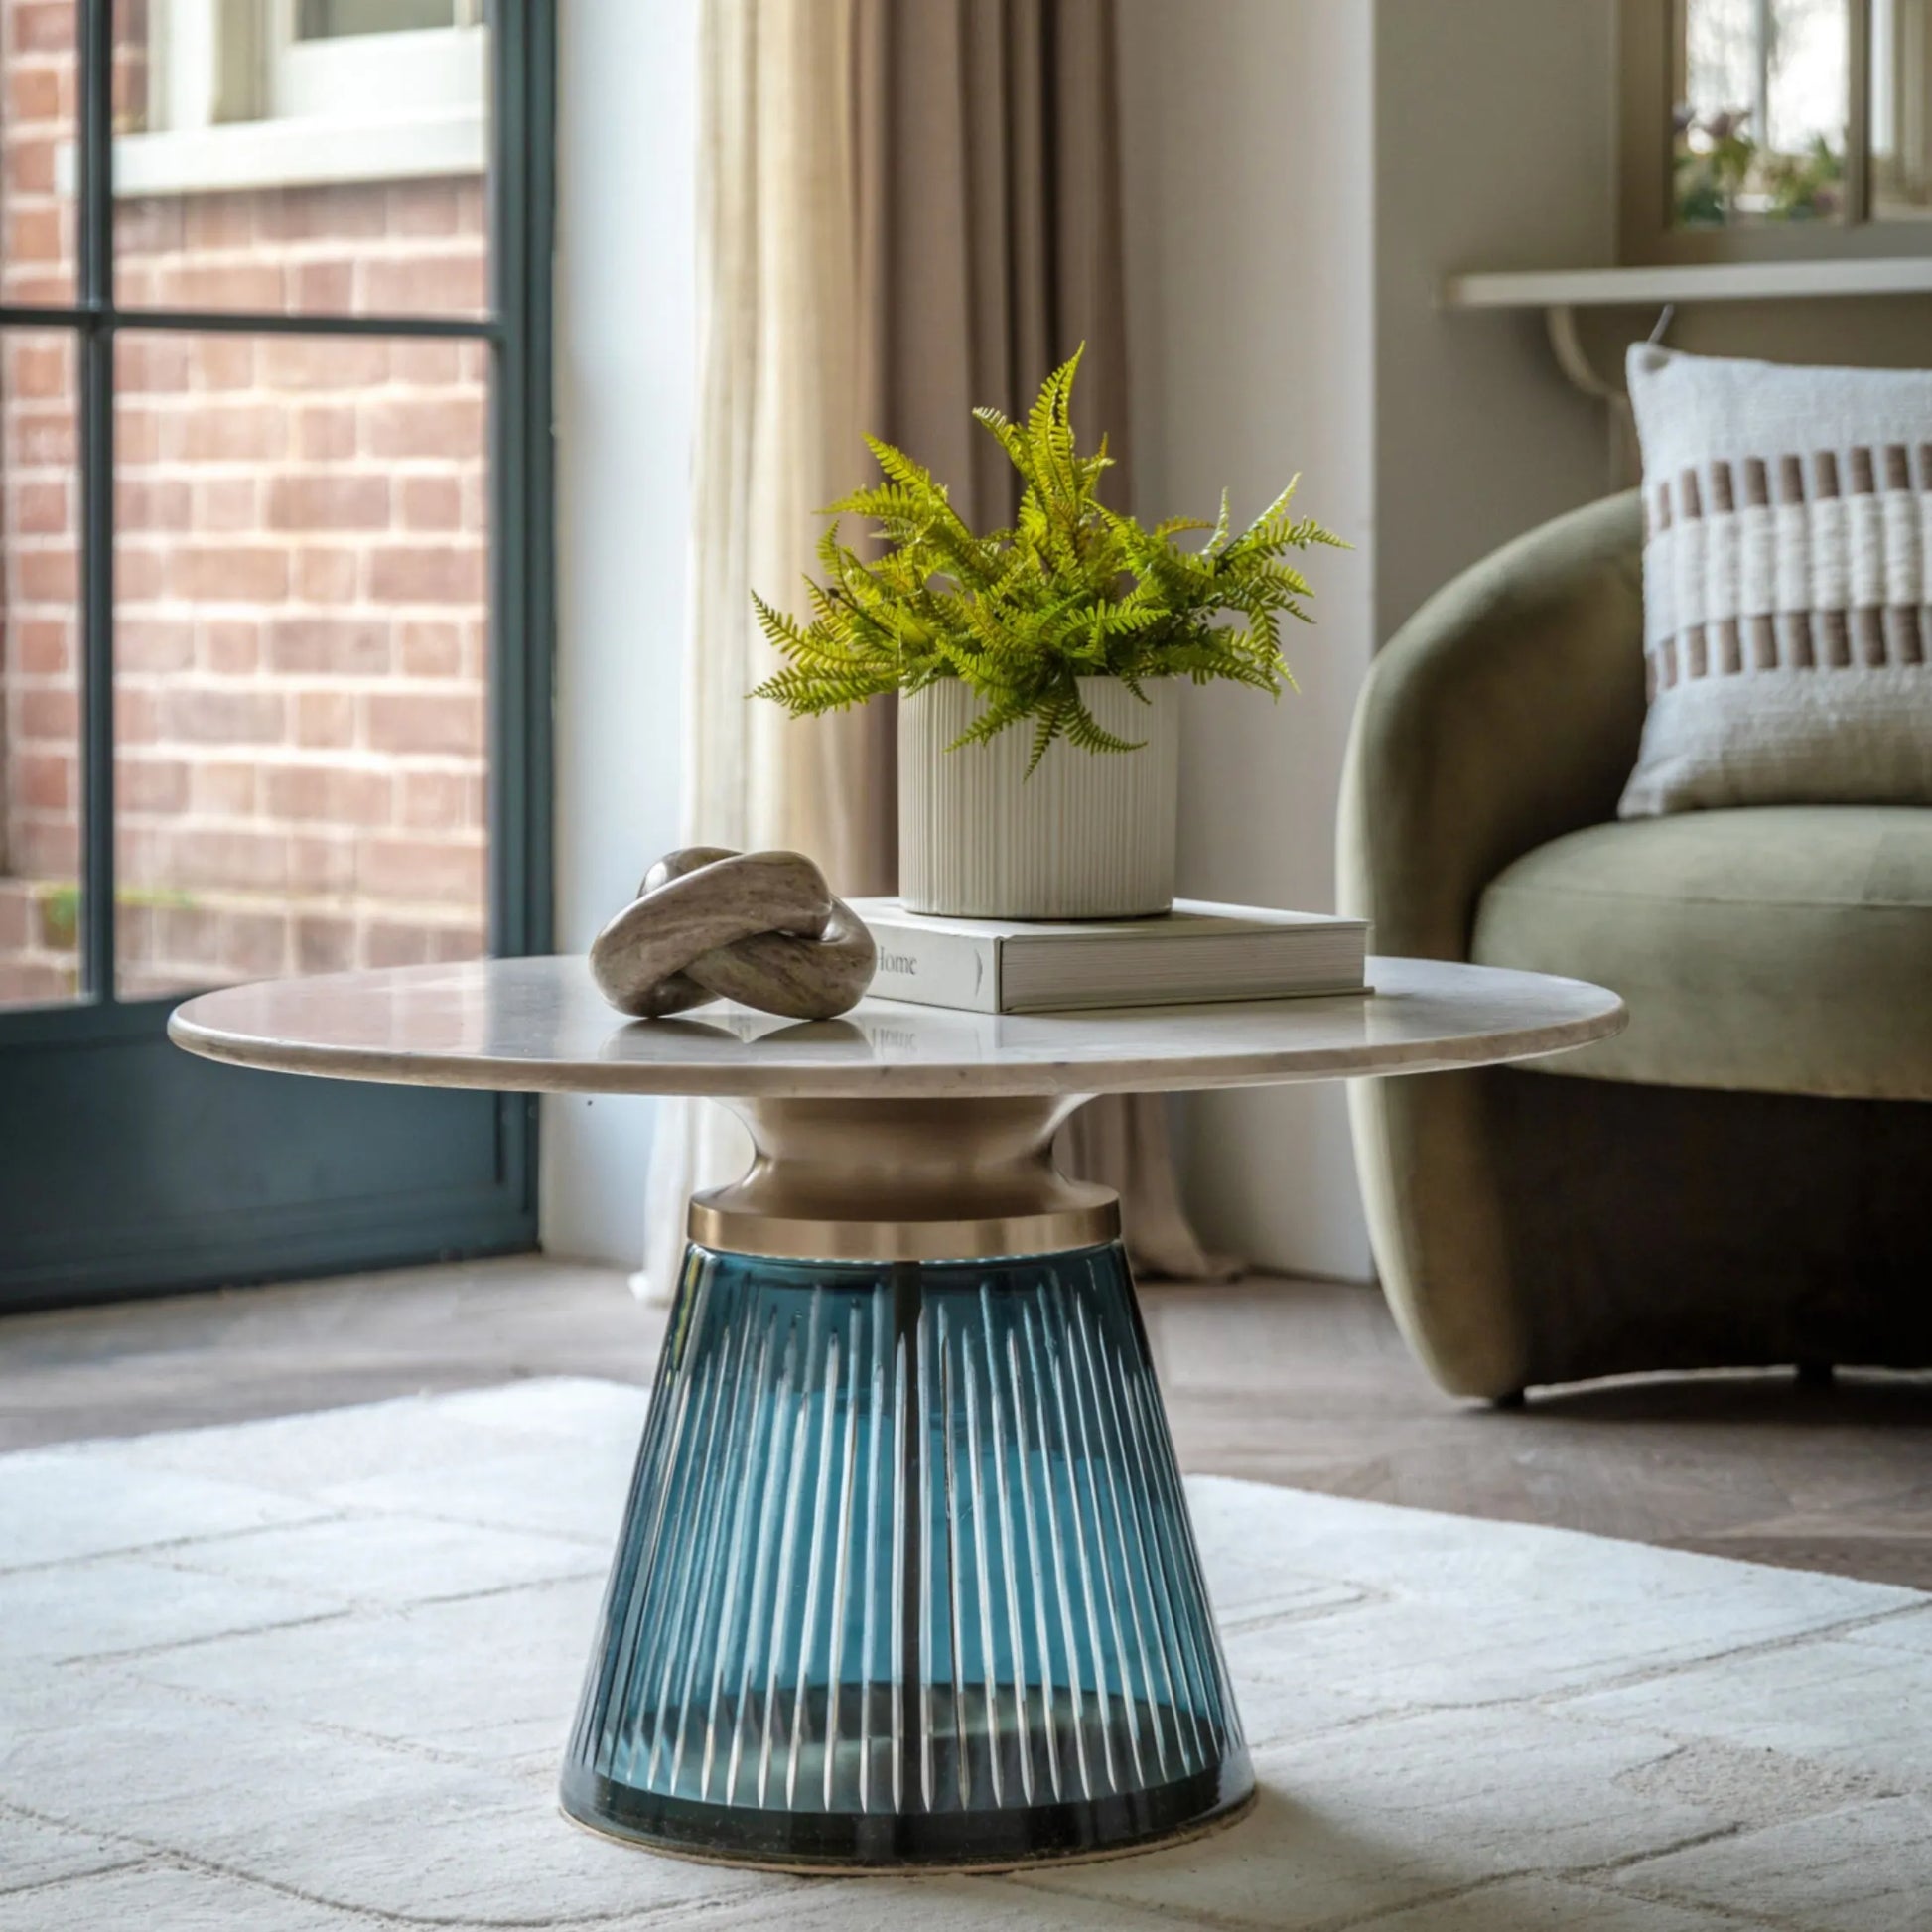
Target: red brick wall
point(300, 575)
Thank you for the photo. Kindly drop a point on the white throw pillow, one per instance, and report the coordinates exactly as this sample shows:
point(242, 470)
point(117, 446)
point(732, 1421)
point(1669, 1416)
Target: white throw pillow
point(1787, 557)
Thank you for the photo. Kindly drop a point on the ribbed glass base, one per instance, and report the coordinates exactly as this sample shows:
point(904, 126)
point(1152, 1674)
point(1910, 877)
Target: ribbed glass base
point(906, 1577)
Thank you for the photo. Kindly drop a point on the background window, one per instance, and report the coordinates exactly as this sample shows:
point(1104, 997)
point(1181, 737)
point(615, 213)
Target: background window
point(1775, 127)
point(225, 93)
point(358, 57)
point(1901, 109)
point(273, 536)
point(1760, 112)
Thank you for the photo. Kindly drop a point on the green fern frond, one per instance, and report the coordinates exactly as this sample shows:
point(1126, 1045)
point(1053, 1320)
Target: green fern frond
point(1087, 731)
point(997, 716)
point(1049, 721)
point(1220, 540)
point(1020, 614)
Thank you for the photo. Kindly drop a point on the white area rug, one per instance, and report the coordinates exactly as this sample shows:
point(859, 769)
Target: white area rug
point(312, 1674)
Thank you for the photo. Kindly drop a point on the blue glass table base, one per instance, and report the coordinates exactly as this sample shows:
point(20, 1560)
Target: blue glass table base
point(905, 1578)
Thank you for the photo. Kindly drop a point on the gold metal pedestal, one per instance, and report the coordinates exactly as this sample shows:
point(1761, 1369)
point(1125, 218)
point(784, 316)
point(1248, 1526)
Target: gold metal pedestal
point(958, 1179)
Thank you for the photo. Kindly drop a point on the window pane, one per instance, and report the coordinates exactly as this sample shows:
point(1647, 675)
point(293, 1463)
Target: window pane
point(301, 656)
point(318, 20)
point(38, 109)
point(1763, 91)
point(1902, 109)
point(333, 171)
point(40, 669)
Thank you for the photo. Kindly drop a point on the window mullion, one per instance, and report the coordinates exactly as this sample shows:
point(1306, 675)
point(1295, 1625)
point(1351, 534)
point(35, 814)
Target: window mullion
point(1858, 114)
point(522, 80)
point(504, 770)
point(96, 375)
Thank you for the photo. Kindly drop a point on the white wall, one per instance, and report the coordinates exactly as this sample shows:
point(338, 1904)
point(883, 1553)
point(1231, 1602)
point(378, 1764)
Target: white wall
point(1494, 148)
point(625, 303)
point(1247, 143)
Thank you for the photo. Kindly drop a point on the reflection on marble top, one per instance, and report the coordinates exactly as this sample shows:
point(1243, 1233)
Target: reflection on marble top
point(541, 1025)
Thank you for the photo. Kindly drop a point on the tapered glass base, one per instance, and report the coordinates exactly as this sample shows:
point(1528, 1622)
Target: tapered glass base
point(907, 1577)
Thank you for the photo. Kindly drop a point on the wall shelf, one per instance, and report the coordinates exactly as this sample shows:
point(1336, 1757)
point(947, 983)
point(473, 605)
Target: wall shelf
point(1656, 285)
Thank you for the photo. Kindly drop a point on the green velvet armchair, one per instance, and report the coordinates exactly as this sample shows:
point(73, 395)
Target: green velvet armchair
point(1745, 1175)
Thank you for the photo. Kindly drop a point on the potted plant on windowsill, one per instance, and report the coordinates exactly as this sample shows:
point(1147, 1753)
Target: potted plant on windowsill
point(1038, 669)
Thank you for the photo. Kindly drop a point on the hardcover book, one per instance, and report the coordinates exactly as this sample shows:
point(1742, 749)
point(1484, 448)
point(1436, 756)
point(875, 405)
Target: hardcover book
point(1198, 953)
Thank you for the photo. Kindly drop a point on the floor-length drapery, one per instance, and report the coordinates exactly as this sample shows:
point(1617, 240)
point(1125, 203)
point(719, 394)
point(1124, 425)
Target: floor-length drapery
point(905, 210)
point(779, 436)
point(988, 169)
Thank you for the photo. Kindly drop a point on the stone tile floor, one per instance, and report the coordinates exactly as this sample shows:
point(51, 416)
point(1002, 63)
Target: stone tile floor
point(1293, 1382)
point(315, 1672)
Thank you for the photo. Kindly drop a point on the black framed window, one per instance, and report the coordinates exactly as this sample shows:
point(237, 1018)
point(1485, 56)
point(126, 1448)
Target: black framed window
point(275, 594)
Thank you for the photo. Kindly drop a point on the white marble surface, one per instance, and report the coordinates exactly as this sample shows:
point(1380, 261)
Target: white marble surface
point(541, 1025)
point(282, 1696)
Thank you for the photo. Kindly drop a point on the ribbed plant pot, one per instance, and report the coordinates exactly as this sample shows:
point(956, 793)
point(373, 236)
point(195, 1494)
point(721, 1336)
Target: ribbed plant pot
point(1089, 836)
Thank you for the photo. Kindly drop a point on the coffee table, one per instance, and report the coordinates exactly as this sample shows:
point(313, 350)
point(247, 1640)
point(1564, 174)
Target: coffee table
point(905, 1576)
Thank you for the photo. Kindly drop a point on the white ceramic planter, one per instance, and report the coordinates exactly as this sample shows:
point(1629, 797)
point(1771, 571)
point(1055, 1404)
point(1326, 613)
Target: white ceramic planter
point(1089, 836)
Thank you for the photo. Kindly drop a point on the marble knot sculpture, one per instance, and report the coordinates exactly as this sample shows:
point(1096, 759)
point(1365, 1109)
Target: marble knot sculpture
point(758, 927)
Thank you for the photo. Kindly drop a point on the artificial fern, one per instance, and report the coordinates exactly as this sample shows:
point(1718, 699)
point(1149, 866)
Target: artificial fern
point(1071, 590)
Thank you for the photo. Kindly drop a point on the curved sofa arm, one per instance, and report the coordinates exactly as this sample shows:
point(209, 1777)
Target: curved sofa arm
point(1503, 714)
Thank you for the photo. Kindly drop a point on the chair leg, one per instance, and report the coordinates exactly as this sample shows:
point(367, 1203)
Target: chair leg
point(1815, 1375)
point(1512, 1399)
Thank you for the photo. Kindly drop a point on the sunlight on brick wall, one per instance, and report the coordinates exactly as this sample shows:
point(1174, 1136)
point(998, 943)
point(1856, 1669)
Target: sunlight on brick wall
point(300, 574)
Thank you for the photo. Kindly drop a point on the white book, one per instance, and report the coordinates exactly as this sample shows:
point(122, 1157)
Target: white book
point(1196, 953)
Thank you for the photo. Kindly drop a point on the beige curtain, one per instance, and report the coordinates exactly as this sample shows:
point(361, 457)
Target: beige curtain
point(778, 435)
point(906, 207)
point(779, 430)
point(989, 208)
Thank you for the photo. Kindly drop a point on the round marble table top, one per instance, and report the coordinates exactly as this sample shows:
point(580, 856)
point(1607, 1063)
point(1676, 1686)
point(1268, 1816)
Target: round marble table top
point(541, 1025)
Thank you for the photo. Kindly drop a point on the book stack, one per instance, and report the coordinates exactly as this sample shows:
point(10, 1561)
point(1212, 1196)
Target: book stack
point(1198, 953)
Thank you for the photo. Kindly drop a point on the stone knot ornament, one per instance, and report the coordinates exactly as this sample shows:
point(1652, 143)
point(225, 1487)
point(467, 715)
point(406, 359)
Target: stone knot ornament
point(758, 927)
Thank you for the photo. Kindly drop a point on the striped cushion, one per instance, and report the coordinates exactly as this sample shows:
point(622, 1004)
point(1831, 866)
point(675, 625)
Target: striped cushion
point(1787, 560)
